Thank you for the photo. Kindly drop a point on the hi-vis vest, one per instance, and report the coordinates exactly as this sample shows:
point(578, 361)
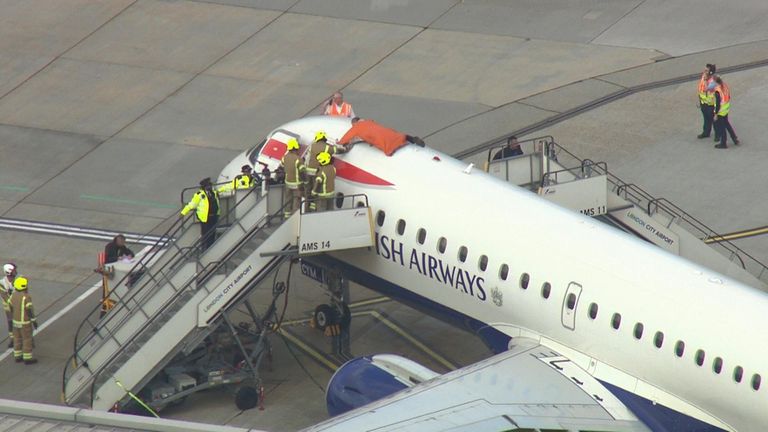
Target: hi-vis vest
point(293, 166)
point(705, 97)
point(325, 181)
point(200, 202)
point(21, 306)
point(725, 99)
point(242, 181)
point(345, 110)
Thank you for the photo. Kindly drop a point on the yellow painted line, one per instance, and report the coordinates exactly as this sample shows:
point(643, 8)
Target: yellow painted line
point(394, 327)
point(737, 235)
point(368, 302)
point(319, 357)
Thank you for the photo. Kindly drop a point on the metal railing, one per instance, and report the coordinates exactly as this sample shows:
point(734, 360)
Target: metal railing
point(133, 300)
point(653, 205)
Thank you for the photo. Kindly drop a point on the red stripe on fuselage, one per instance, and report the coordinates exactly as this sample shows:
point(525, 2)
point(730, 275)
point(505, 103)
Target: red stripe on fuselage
point(276, 149)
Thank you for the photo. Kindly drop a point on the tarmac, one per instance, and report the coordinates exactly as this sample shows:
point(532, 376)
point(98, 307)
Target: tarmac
point(108, 108)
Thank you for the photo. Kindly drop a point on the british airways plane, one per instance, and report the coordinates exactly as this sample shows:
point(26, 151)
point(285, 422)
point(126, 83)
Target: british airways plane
point(595, 329)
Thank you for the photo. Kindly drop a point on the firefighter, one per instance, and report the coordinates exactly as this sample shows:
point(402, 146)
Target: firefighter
point(294, 177)
point(23, 322)
point(319, 145)
point(245, 180)
point(6, 290)
point(206, 203)
point(325, 181)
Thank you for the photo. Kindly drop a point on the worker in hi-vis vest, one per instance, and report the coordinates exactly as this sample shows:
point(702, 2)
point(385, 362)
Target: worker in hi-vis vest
point(6, 290)
point(324, 185)
point(337, 107)
point(23, 322)
point(706, 100)
point(205, 202)
point(722, 108)
point(245, 180)
point(294, 178)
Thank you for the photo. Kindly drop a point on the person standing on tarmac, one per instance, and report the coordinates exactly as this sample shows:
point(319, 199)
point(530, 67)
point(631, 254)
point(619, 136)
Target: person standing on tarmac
point(294, 177)
point(320, 145)
point(324, 185)
point(23, 322)
point(707, 100)
point(206, 203)
point(722, 108)
point(6, 290)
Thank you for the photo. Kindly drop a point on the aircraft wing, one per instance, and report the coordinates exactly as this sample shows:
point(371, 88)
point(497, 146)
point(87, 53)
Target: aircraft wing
point(528, 387)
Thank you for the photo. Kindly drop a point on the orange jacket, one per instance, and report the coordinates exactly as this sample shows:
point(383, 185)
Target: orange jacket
point(388, 140)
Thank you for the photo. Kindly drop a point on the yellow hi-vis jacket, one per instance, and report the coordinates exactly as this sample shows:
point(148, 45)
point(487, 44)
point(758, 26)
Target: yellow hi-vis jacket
point(706, 97)
point(200, 202)
point(315, 149)
point(241, 181)
point(725, 99)
point(21, 307)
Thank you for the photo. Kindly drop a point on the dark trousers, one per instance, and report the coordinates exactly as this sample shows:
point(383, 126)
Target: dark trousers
point(208, 232)
point(722, 125)
point(707, 112)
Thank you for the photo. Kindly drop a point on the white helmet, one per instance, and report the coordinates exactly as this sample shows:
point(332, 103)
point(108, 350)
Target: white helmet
point(9, 269)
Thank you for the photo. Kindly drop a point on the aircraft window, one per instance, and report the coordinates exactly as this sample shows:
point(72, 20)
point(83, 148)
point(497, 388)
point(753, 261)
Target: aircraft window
point(756, 382)
point(639, 331)
point(700, 357)
point(339, 201)
point(401, 227)
point(524, 279)
point(738, 373)
point(442, 243)
point(717, 365)
point(483, 262)
point(503, 272)
point(593, 310)
point(463, 253)
point(546, 289)
point(679, 348)
point(380, 215)
point(658, 340)
point(421, 235)
point(616, 321)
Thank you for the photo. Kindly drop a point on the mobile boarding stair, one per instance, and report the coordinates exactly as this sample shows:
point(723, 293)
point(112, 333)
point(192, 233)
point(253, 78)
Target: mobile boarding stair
point(583, 185)
point(179, 295)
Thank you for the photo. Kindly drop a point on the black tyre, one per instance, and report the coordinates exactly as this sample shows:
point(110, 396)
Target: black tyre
point(325, 315)
point(246, 397)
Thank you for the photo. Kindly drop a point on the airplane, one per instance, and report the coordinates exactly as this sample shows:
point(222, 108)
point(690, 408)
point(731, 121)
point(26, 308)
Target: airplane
point(650, 338)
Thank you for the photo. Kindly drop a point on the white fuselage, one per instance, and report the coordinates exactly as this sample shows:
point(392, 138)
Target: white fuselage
point(503, 226)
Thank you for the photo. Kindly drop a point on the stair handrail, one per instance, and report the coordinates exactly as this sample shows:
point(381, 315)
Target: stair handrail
point(171, 234)
point(207, 271)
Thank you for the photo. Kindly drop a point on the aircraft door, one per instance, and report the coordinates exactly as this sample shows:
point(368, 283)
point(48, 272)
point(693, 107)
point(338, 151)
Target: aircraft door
point(570, 304)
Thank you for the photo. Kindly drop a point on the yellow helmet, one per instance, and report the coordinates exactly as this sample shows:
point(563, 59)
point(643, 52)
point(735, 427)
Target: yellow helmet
point(324, 158)
point(320, 135)
point(20, 283)
point(292, 144)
